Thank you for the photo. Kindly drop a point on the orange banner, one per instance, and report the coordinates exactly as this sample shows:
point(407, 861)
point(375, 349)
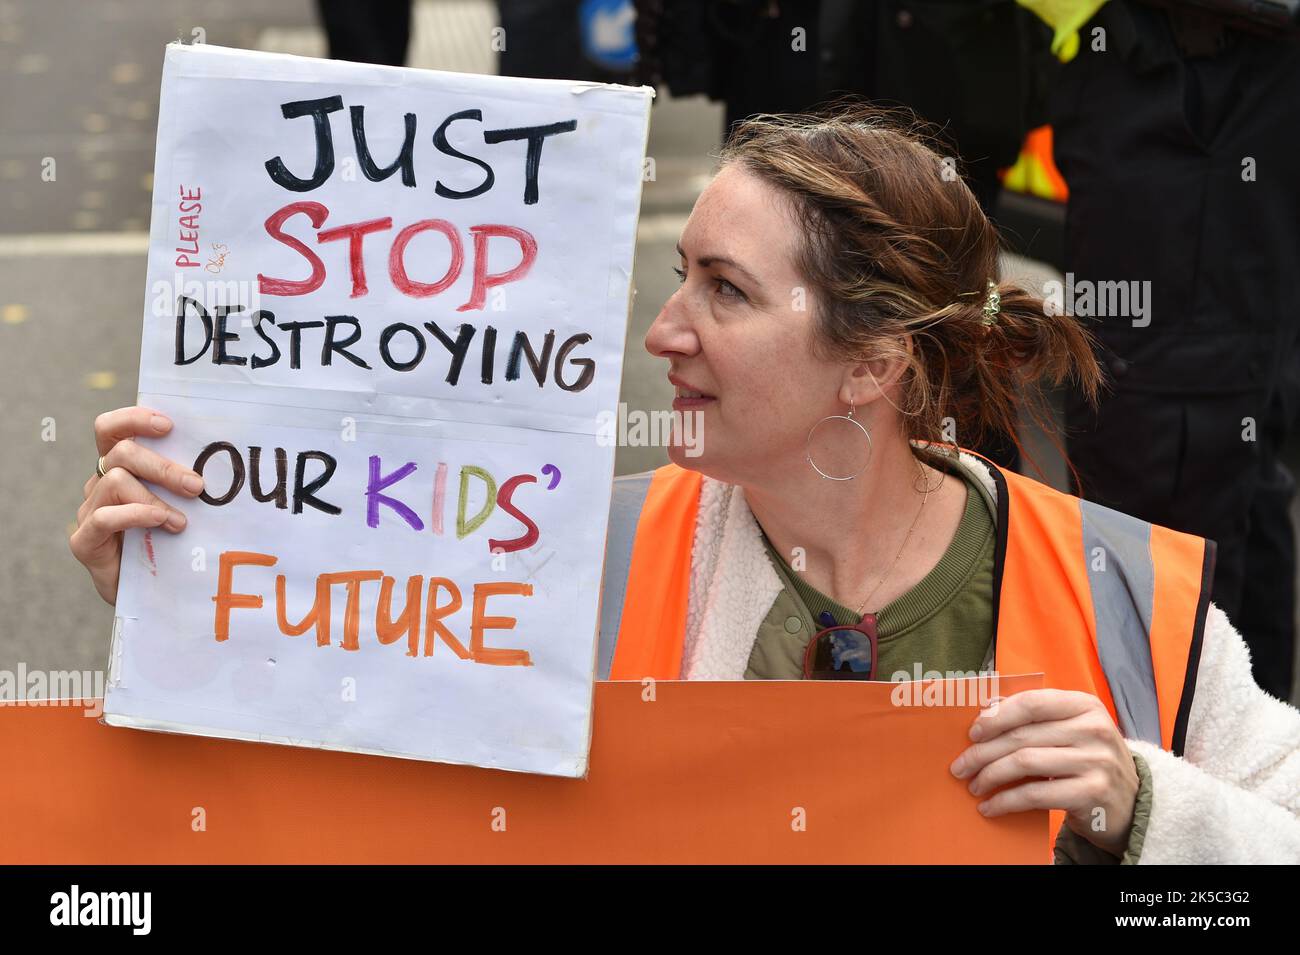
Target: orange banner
point(746, 772)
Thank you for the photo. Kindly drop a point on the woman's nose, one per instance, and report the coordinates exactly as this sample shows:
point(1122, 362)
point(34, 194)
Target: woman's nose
point(671, 333)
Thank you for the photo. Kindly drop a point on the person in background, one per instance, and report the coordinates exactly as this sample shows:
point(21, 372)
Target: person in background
point(591, 40)
point(377, 31)
point(977, 70)
point(1177, 129)
point(544, 39)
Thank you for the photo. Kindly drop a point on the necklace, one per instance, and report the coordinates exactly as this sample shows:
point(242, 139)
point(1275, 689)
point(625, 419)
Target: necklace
point(901, 547)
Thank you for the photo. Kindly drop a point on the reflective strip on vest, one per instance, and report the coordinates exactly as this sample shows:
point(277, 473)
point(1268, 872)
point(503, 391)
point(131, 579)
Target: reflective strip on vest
point(1117, 553)
point(1103, 603)
point(624, 512)
point(652, 616)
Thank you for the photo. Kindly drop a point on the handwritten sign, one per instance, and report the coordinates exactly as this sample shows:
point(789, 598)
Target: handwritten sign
point(386, 311)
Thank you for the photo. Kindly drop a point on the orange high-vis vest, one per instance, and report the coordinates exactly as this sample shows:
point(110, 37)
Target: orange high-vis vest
point(1095, 600)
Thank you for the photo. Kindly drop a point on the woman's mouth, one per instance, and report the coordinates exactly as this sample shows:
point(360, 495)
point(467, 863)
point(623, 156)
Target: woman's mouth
point(687, 398)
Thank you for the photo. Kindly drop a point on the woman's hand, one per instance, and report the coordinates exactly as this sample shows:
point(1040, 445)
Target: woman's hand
point(1067, 741)
point(119, 500)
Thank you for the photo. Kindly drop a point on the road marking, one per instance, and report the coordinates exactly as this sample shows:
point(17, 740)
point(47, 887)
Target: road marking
point(14, 314)
point(73, 243)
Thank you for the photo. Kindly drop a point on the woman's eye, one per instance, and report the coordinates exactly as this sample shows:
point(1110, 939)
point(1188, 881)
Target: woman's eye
point(727, 290)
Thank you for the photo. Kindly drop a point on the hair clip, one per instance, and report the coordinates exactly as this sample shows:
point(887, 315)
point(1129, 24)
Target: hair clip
point(992, 304)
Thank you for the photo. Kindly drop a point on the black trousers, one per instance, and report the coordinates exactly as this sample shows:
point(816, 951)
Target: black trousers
point(1182, 174)
point(377, 31)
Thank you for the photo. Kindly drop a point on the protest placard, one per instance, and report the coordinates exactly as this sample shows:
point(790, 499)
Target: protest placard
point(386, 309)
point(753, 771)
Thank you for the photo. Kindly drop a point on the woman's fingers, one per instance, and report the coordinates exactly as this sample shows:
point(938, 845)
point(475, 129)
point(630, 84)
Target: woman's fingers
point(1055, 733)
point(118, 500)
point(1031, 761)
point(1039, 794)
point(95, 541)
point(115, 518)
point(114, 434)
point(119, 486)
point(112, 426)
point(148, 465)
point(1031, 706)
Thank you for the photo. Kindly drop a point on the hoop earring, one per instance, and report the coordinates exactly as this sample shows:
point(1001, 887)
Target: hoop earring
point(849, 417)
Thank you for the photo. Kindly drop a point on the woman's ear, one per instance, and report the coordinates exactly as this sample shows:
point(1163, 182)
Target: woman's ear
point(877, 377)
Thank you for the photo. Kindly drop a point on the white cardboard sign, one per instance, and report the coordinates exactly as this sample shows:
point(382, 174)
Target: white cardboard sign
point(386, 310)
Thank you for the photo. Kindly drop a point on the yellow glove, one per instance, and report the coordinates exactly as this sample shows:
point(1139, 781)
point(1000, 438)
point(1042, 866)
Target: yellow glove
point(1064, 17)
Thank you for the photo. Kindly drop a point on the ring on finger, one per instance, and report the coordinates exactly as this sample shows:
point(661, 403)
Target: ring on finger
point(99, 466)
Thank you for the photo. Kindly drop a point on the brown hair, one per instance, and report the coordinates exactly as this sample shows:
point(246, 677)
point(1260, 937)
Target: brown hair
point(896, 245)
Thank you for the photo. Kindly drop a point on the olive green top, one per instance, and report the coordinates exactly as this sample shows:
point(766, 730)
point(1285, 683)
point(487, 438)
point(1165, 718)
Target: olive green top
point(943, 624)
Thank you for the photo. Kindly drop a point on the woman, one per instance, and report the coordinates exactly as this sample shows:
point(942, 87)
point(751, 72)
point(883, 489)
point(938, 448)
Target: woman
point(838, 315)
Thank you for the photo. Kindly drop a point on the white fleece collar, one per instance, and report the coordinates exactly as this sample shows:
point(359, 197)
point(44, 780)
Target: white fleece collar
point(733, 583)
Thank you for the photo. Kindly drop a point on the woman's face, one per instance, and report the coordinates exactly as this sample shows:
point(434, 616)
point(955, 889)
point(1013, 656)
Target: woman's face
point(739, 332)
